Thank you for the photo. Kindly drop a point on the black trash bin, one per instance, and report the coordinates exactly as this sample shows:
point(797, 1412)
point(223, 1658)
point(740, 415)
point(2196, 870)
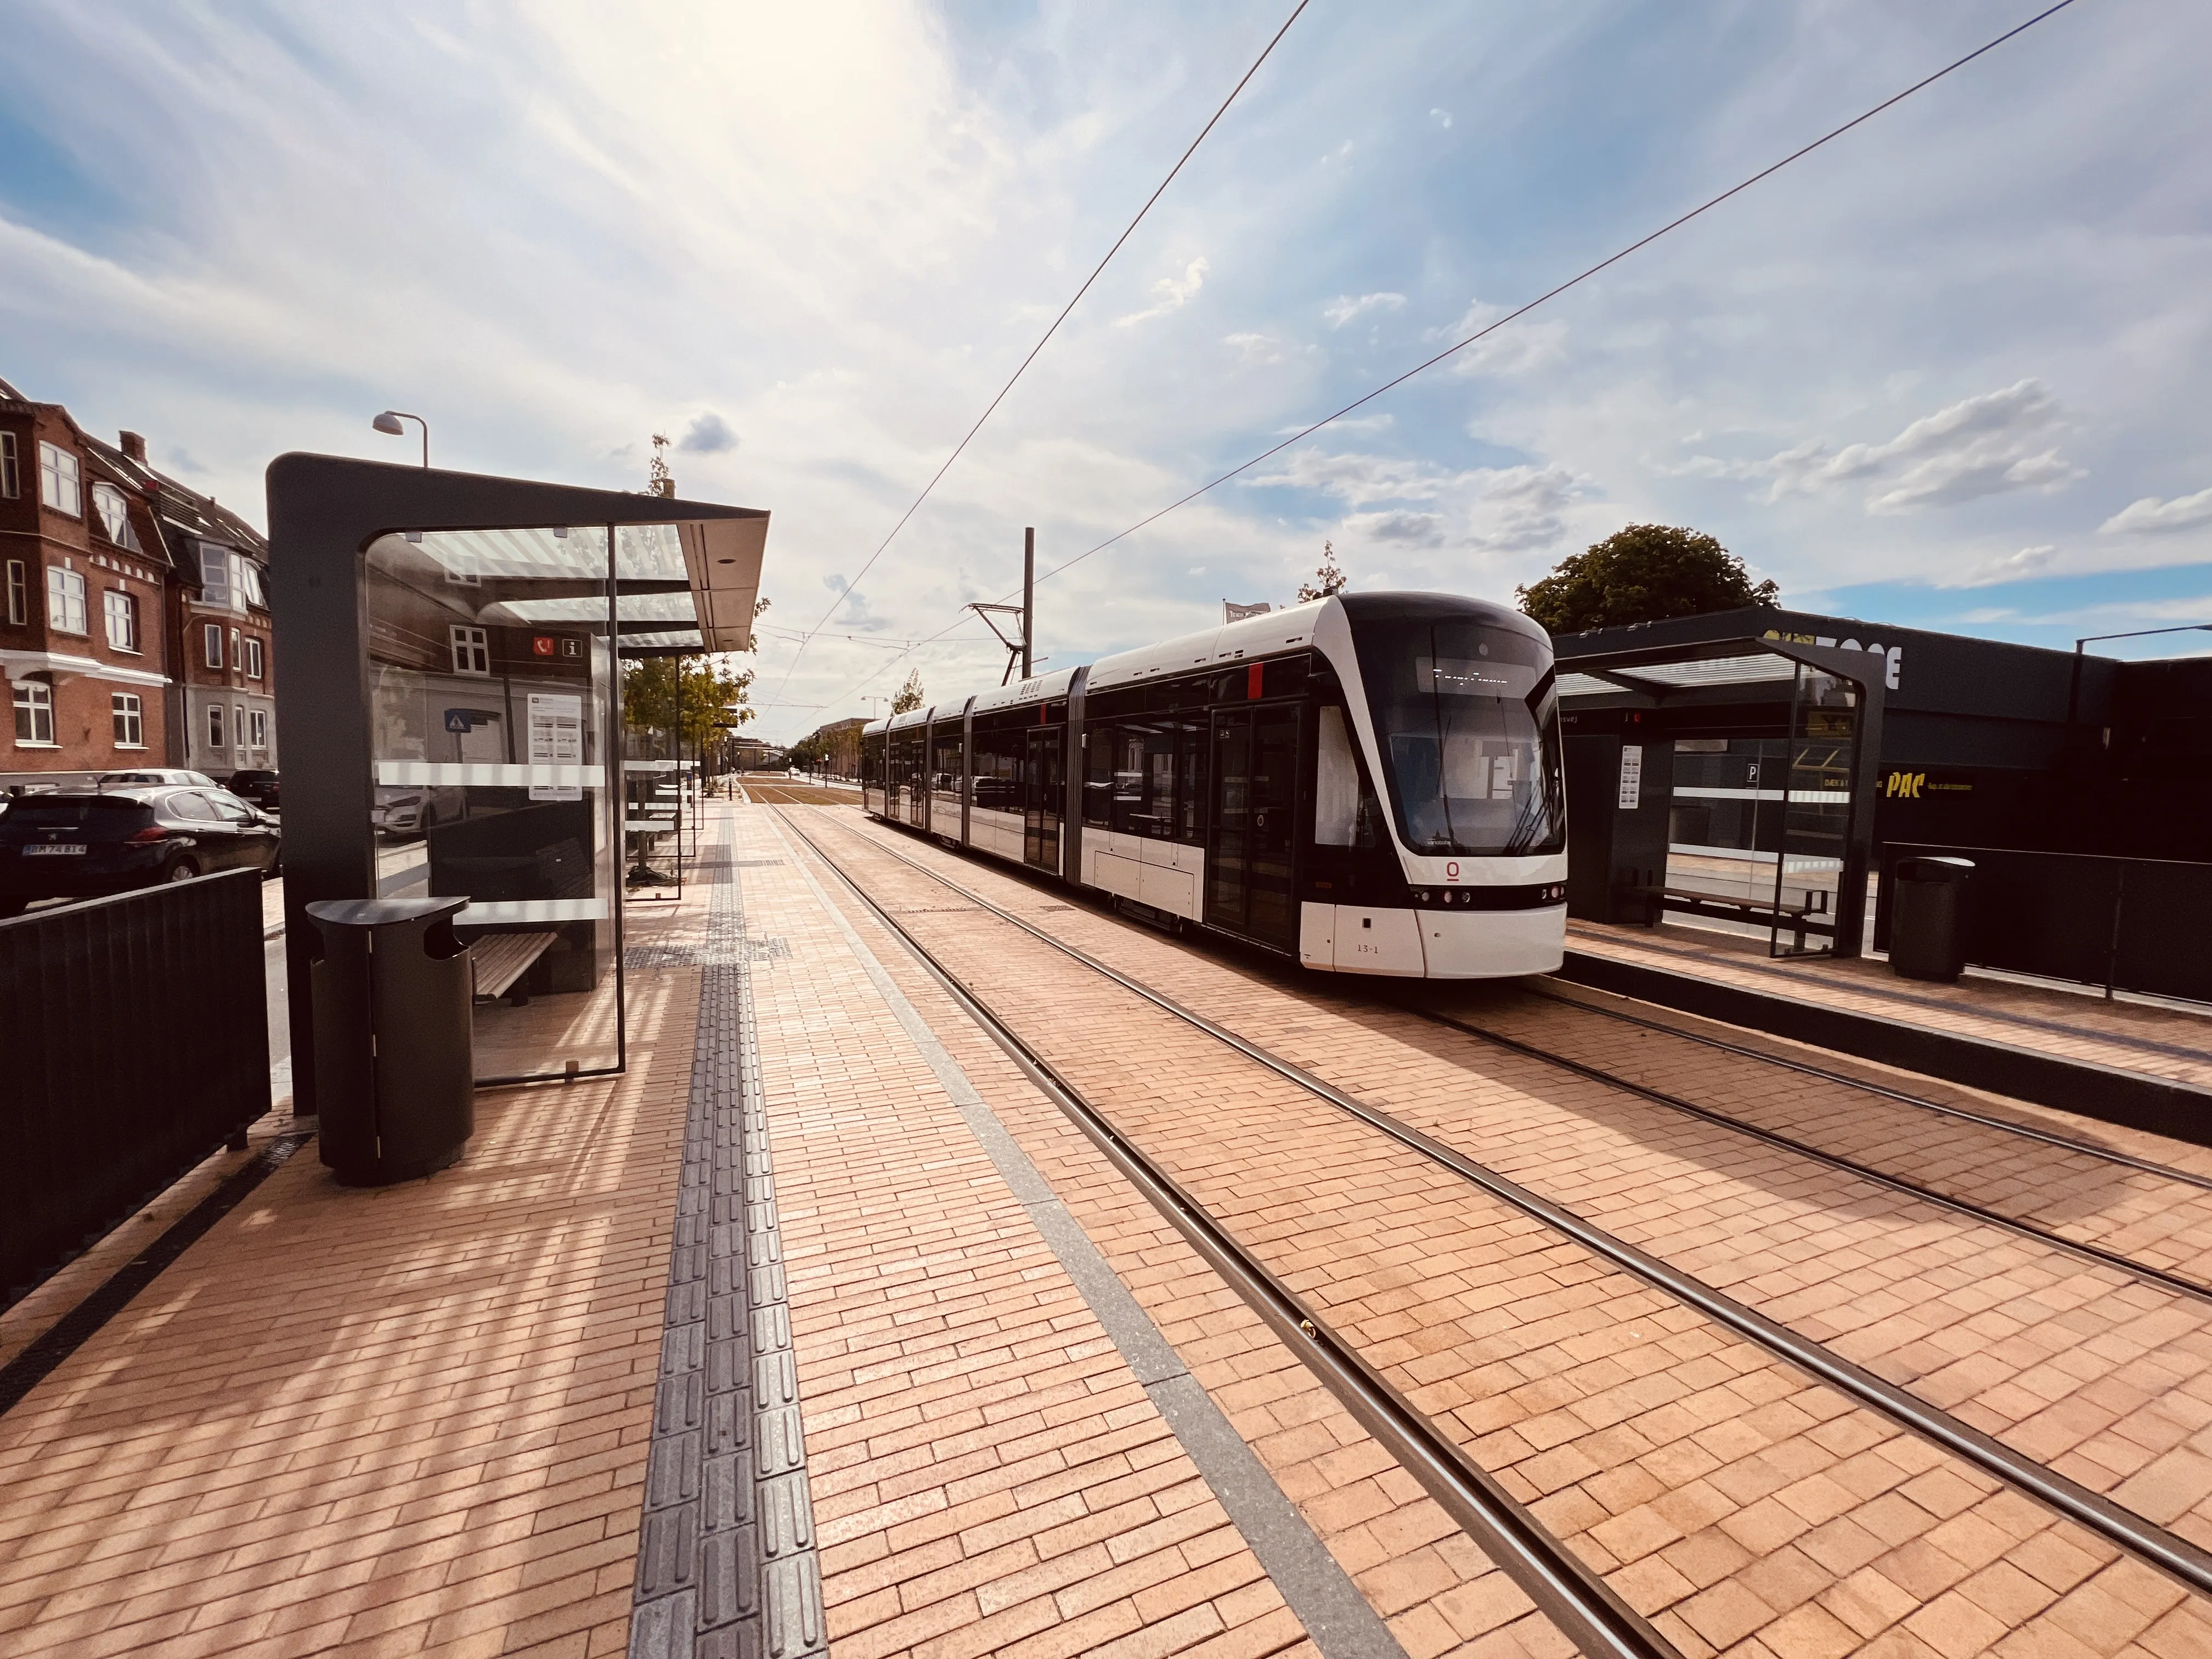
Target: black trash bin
point(1928, 918)
point(395, 1061)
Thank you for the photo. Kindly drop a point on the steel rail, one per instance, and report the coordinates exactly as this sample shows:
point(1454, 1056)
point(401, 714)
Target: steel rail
point(2122, 1528)
point(2088, 1252)
point(2027, 1131)
point(1563, 1586)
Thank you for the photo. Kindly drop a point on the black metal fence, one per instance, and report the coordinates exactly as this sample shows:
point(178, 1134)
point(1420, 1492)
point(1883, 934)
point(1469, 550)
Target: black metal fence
point(134, 1040)
point(2126, 924)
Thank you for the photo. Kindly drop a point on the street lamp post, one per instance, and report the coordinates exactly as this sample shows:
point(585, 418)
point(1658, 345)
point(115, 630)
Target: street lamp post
point(2074, 691)
point(390, 421)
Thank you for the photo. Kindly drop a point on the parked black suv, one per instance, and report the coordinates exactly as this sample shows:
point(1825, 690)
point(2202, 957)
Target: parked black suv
point(81, 845)
point(257, 785)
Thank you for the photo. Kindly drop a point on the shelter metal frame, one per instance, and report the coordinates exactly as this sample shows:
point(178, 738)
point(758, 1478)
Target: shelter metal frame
point(325, 512)
point(1863, 672)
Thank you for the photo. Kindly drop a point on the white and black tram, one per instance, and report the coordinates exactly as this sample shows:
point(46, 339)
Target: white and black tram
point(1369, 783)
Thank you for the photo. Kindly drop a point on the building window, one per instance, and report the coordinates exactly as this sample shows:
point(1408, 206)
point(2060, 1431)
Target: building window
point(260, 719)
point(130, 720)
point(238, 727)
point(114, 516)
point(122, 619)
point(65, 600)
point(253, 658)
point(249, 582)
point(211, 645)
point(214, 725)
point(11, 471)
point(214, 581)
point(61, 481)
point(34, 713)
point(19, 589)
point(237, 651)
point(471, 650)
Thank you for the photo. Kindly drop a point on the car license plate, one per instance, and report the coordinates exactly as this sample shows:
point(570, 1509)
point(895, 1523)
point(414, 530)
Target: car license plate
point(54, 849)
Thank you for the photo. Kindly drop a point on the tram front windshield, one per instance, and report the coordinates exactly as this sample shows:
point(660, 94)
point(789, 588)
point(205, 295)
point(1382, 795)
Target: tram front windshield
point(1469, 728)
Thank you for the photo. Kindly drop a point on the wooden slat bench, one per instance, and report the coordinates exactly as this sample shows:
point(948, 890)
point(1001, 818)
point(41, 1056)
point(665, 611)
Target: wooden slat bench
point(499, 960)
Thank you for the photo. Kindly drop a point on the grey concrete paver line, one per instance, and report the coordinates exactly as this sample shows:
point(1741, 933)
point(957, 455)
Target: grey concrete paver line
point(1335, 1614)
point(1155, 951)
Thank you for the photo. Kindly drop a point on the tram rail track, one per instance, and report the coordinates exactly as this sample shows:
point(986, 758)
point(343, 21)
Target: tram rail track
point(2181, 1284)
point(1904, 1098)
point(1565, 1589)
point(2117, 1525)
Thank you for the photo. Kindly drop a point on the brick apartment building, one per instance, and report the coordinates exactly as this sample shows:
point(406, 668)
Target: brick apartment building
point(134, 622)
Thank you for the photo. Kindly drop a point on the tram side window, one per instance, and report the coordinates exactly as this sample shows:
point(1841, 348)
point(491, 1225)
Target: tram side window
point(1145, 778)
point(997, 778)
point(1099, 753)
point(944, 772)
point(1336, 783)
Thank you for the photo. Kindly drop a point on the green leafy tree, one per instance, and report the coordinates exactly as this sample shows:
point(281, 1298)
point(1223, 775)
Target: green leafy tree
point(1645, 573)
point(1327, 579)
point(910, 694)
point(692, 695)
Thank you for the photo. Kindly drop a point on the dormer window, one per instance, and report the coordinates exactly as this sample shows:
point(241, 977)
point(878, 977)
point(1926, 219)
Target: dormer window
point(215, 576)
point(114, 515)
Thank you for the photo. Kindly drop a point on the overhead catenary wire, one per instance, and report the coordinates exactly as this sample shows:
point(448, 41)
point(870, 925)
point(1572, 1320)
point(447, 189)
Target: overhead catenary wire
point(1521, 311)
point(851, 588)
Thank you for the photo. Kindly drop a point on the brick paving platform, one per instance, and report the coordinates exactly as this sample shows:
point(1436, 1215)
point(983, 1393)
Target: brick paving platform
point(946, 1369)
point(2128, 1035)
point(1308, 1189)
point(411, 1420)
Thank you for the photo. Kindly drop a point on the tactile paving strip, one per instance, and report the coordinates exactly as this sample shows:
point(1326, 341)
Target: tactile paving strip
point(726, 1562)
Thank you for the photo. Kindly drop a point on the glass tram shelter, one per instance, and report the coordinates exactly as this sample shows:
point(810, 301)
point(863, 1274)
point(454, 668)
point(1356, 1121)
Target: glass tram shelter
point(1814, 714)
point(450, 683)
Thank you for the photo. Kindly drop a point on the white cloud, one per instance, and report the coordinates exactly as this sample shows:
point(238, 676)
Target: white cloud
point(1360, 479)
point(2152, 517)
point(1492, 509)
point(1441, 117)
point(1255, 348)
point(1529, 342)
point(2010, 568)
point(1344, 308)
point(1174, 294)
point(1521, 508)
point(1988, 445)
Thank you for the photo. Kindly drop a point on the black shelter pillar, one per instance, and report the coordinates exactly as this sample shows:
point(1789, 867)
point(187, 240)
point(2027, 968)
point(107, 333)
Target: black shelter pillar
point(1619, 796)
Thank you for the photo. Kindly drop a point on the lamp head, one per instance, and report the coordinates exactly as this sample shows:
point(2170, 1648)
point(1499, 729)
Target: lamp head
point(389, 422)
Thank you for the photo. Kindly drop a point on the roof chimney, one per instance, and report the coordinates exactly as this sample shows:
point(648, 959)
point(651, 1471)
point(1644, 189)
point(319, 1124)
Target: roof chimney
point(134, 448)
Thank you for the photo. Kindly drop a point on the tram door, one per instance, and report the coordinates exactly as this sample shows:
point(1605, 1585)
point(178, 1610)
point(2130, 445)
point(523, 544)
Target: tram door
point(1044, 795)
point(1249, 847)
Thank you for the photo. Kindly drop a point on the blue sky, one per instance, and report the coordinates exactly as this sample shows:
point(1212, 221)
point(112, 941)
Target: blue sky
point(1946, 373)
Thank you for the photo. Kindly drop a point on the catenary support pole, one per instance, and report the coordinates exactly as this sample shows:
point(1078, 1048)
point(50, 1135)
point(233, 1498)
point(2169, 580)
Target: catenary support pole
point(1029, 600)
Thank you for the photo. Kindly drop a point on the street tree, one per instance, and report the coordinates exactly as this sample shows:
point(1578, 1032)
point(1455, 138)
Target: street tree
point(691, 695)
point(1644, 573)
point(910, 694)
